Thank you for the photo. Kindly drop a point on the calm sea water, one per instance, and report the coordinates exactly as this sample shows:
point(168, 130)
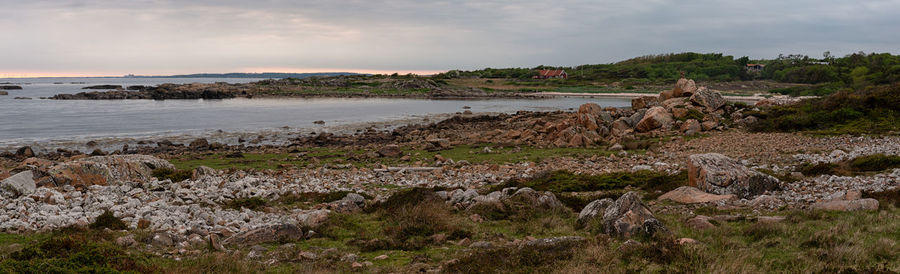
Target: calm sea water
point(48, 123)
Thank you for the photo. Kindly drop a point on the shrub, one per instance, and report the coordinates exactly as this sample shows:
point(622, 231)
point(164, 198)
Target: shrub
point(108, 220)
point(409, 226)
point(171, 174)
point(252, 203)
point(877, 162)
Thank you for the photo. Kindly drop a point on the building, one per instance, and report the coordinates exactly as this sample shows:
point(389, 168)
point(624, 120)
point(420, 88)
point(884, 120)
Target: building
point(552, 74)
point(755, 67)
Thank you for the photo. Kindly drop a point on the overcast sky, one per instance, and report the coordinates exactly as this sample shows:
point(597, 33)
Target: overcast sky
point(94, 37)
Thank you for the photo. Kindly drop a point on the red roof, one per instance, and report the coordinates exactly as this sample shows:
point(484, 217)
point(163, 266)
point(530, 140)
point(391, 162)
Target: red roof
point(551, 72)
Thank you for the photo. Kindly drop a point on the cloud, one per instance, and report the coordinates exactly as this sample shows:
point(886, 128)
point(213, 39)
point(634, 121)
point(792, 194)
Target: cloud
point(166, 36)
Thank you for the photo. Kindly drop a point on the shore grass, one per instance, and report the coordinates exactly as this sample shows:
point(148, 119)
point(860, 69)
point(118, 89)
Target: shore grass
point(807, 241)
point(340, 157)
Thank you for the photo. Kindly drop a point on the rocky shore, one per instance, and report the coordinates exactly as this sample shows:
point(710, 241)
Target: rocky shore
point(673, 177)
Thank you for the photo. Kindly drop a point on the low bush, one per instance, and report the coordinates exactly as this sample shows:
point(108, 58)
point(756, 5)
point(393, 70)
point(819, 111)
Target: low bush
point(108, 220)
point(252, 203)
point(877, 162)
point(171, 174)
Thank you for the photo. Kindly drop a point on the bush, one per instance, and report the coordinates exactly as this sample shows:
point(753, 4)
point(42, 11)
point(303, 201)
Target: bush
point(252, 203)
point(108, 220)
point(171, 174)
point(877, 162)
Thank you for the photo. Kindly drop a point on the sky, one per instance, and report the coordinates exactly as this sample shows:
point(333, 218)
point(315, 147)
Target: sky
point(162, 37)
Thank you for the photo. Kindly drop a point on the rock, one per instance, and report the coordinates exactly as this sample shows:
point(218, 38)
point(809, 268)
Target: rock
point(215, 243)
point(867, 204)
point(439, 143)
point(637, 168)
point(4, 92)
point(710, 100)
point(256, 252)
point(162, 239)
point(718, 174)
point(616, 147)
point(532, 198)
point(313, 218)
point(628, 217)
point(21, 183)
point(766, 202)
point(686, 241)
point(709, 125)
point(593, 210)
point(306, 255)
point(590, 108)
point(699, 222)
point(100, 170)
point(143, 223)
point(692, 195)
point(25, 152)
point(391, 151)
point(556, 243)
point(272, 233)
point(481, 244)
point(770, 219)
point(644, 102)
point(691, 126)
point(103, 87)
point(126, 241)
point(203, 172)
point(656, 117)
point(380, 257)
point(630, 246)
point(7, 87)
point(200, 143)
point(684, 88)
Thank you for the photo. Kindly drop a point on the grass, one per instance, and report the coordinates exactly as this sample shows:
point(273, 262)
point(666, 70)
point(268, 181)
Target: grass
point(856, 166)
point(807, 241)
point(171, 174)
point(333, 157)
point(564, 182)
point(302, 200)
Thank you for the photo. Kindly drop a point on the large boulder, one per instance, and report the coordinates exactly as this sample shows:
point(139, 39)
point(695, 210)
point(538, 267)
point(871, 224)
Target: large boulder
point(594, 210)
point(103, 170)
point(692, 195)
point(656, 117)
point(20, 184)
point(718, 174)
point(684, 88)
point(710, 100)
point(628, 217)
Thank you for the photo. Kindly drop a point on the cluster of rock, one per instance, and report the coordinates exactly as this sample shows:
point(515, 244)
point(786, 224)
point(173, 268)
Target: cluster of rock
point(862, 146)
point(625, 217)
point(76, 192)
point(162, 92)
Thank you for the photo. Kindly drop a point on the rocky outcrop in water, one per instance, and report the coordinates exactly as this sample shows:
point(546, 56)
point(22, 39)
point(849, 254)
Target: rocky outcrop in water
point(103, 87)
point(10, 87)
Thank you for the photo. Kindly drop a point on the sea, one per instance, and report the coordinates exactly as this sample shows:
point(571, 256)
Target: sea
point(49, 124)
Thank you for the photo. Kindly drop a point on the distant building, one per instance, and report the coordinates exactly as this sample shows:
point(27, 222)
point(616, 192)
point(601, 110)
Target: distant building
point(755, 67)
point(552, 74)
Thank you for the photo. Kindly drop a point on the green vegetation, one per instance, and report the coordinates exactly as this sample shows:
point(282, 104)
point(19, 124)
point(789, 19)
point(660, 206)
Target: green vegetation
point(319, 156)
point(874, 110)
point(303, 200)
point(108, 220)
point(562, 182)
point(856, 166)
point(174, 175)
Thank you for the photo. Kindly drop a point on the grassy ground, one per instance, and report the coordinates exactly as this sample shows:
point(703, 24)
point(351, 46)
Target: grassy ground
point(416, 234)
point(334, 157)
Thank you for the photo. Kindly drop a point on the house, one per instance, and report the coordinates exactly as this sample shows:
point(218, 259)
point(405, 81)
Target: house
point(755, 67)
point(551, 74)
